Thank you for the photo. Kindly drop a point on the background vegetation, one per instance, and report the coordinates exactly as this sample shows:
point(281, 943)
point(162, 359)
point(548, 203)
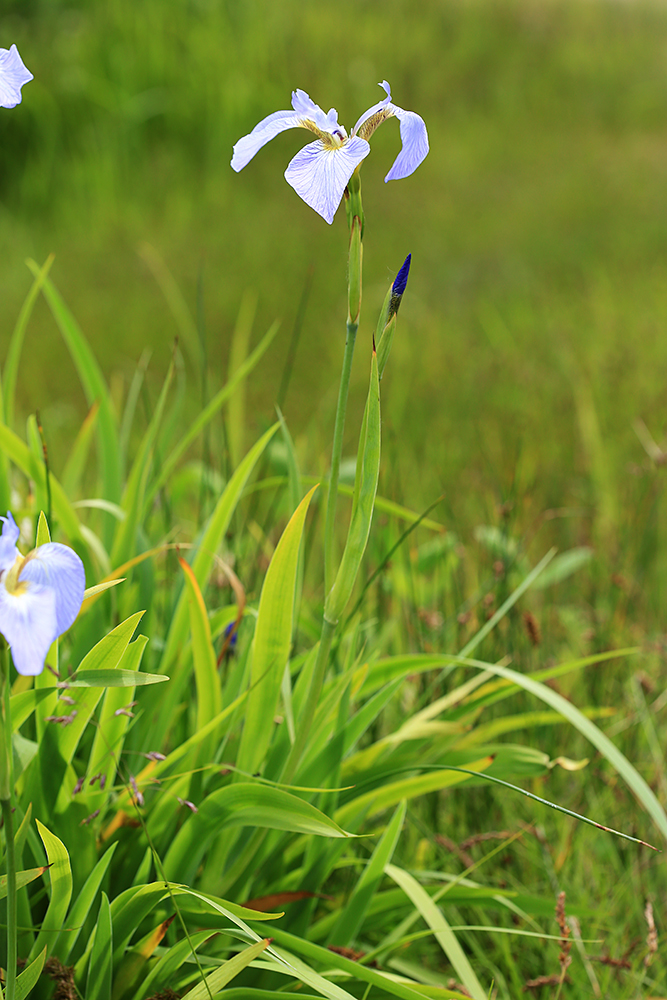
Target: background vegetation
point(530, 342)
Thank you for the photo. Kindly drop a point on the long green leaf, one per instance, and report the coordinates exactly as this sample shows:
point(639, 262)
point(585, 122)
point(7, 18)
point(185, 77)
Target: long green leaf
point(60, 877)
point(244, 804)
point(353, 913)
point(201, 566)
point(163, 971)
point(93, 384)
point(209, 696)
point(272, 641)
point(22, 878)
point(228, 970)
point(27, 981)
point(443, 933)
point(100, 967)
point(83, 905)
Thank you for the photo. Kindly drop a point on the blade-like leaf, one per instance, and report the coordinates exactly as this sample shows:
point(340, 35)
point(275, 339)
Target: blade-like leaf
point(272, 642)
point(60, 878)
point(445, 936)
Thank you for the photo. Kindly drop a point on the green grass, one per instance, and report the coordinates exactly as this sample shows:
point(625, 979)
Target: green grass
point(530, 340)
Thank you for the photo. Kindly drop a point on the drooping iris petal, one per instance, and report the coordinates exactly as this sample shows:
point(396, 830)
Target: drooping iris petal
point(414, 139)
point(59, 568)
point(8, 540)
point(268, 129)
point(320, 174)
point(306, 114)
point(28, 623)
point(13, 74)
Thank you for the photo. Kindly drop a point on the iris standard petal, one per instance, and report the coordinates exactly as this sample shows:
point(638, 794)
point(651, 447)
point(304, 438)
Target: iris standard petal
point(414, 139)
point(28, 622)
point(13, 74)
point(268, 129)
point(59, 568)
point(320, 174)
point(8, 540)
point(380, 106)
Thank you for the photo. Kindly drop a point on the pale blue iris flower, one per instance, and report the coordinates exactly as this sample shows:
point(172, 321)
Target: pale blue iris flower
point(13, 74)
point(320, 172)
point(40, 596)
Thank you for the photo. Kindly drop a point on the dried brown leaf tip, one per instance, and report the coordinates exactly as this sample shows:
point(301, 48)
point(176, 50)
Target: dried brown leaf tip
point(652, 936)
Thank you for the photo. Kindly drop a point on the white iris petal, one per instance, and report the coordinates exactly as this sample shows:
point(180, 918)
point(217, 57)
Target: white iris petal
point(58, 567)
point(40, 596)
point(414, 139)
point(320, 175)
point(13, 74)
point(28, 623)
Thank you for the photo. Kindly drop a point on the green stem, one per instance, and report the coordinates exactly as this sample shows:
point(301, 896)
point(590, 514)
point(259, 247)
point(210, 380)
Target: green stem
point(10, 988)
point(355, 218)
point(6, 785)
point(339, 426)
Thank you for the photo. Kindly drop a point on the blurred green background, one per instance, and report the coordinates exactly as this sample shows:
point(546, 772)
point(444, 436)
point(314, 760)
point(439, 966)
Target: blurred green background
point(532, 334)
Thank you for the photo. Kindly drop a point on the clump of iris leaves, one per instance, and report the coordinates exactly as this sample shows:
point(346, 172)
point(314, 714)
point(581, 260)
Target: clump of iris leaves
point(161, 849)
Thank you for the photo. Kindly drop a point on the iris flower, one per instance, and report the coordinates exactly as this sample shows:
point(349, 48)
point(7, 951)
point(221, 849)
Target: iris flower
point(40, 596)
point(320, 172)
point(13, 74)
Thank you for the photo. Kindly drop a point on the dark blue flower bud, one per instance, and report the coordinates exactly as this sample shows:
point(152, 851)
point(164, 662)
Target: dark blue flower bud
point(399, 286)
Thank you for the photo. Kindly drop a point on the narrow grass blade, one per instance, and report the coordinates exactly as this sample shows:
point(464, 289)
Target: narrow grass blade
point(21, 455)
point(388, 795)
point(135, 489)
point(209, 411)
point(12, 363)
point(228, 971)
point(60, 877)
point(209, 698)
point(77, 459)
point(443, 933)
point(356, 970)
point(238, 354)
point(588, 729)
point(119, 678)
point(353, 913)
point(93, 383)
point(163, 971)
point(272, 641)
point(100, 966)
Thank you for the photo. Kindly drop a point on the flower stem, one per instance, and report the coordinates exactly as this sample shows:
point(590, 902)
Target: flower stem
point(6, 784)
point(356, 221)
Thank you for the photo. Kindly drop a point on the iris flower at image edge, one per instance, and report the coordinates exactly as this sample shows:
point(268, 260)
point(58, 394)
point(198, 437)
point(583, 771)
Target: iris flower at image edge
point(40, 596)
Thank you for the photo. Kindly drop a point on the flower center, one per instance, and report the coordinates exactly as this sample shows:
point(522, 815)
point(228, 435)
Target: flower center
point(11, 578)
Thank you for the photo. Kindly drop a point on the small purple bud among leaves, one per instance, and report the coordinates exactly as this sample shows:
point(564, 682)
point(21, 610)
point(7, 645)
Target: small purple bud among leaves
point(79, 785)
point(190, 805)
point(89, 819)
point(62, 720)
point(155, 755)
point(137, 794)
point(66, 698)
